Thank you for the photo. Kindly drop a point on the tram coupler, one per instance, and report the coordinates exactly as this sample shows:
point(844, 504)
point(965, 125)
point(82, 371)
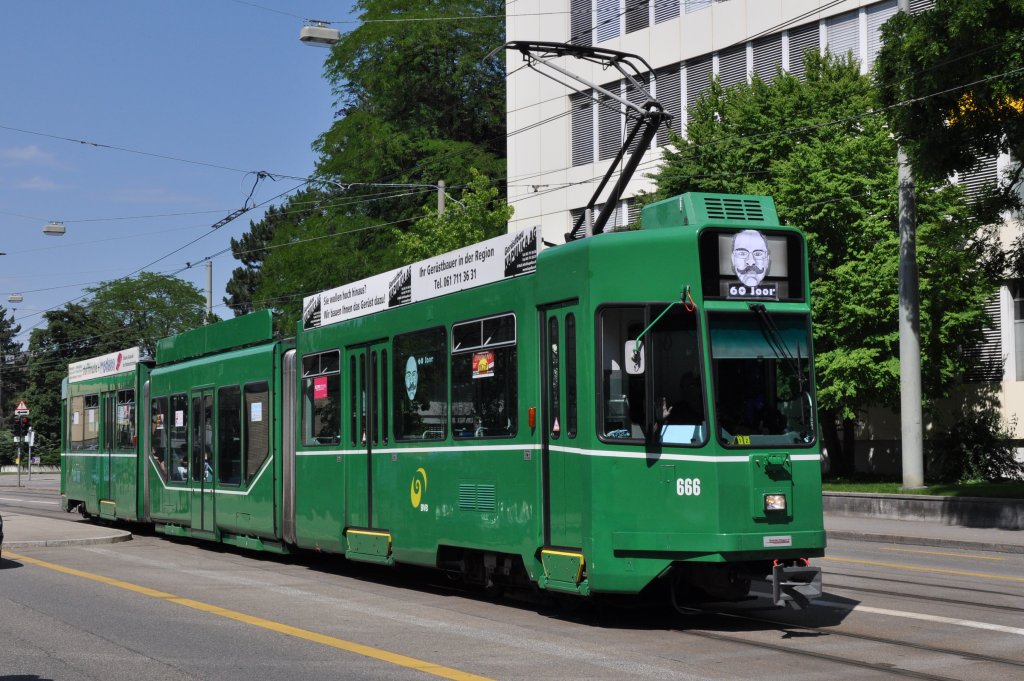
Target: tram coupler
point(795, 584)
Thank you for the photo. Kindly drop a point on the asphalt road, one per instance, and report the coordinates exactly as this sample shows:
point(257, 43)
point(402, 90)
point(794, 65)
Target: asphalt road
point(156, 608)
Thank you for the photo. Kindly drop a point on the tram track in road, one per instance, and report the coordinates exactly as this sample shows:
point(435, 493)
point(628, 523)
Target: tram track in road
point(887, 669)
point(934, 599)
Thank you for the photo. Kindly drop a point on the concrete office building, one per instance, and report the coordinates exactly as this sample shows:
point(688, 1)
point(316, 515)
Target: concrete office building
point(561, 144)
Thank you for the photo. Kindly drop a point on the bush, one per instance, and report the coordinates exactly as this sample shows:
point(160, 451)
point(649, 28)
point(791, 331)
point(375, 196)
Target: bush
point(977, 447)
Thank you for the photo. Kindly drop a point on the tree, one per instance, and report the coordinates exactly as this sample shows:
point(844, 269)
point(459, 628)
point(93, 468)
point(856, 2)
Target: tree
point(822, 151)
point(953, 78)
point(119, 314)
point(251, 248)
point(13, 377)
point(419, 100)
point(142, 310)
point(481, 217)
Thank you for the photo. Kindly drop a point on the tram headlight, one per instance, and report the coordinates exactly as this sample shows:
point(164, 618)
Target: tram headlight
point(774, 502)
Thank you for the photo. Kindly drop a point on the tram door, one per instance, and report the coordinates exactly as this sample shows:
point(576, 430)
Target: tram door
point(203, 464)
point(367, 427)
point(108, 407)
point(563, 469)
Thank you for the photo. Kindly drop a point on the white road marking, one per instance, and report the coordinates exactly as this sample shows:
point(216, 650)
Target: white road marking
point(921, 616)
point(29, 501)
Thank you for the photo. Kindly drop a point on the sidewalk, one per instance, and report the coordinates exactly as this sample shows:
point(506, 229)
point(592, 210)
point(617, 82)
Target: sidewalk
point(27, 531)
point(923, 533)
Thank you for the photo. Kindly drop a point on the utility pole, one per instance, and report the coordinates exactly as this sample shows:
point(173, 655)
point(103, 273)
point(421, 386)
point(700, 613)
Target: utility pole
point(910, 324)
point(440, 198)
point(209, 291)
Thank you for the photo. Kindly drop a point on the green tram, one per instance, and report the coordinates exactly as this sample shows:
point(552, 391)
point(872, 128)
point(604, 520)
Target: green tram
point(621, 413)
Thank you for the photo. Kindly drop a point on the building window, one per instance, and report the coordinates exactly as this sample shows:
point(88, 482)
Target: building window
point(877, 15)
point(982, 177)
point(843, 33)
point(802, 39)
point(768, 57)
point(637, 15)
point(582, 106)
point(1017, 291)
point(665, 10)
point(917, 6)
point(698, 82)
point(581, 21)
point(668, 86)
point(608, 18)
point(609, 124)
point(732, 65)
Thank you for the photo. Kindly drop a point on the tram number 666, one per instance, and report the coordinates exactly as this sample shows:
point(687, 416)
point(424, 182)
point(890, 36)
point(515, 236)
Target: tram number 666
point(688, 487)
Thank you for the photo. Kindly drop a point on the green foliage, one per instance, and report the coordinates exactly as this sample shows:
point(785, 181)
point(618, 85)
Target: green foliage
point(954, 81)
point(431, 79)
point(822, 151)
point(418, 103)
point(8, 448)
point(977, 446)
point(13, 375)
point(481, 217)
point(143, 309)
point(120, 314)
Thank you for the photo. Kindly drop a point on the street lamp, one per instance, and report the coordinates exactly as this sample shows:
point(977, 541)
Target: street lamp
point(319, 33)
point(54, 228)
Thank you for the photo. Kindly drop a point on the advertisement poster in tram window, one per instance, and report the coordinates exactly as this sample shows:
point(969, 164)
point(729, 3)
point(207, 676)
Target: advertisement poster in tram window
point(503, 257)
point(320, 388)
point(483, 364)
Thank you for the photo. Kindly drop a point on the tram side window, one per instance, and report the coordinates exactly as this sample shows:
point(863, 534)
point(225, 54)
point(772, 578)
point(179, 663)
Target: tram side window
point(624, 409)
point(178, 428)
point(655, 383)
point(159, 434)
point(257, 428)
point(485, 398)
point(421, 385)
point(76, 424)
point(91, 425)
point(124, 421)
point(229, 435)
point(321, 398)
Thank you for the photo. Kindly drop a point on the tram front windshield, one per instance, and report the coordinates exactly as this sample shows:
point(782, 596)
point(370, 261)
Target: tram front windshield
point(762, 381)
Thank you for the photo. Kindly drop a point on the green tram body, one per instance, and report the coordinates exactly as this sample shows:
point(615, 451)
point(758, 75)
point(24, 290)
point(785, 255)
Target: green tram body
point(539, 455)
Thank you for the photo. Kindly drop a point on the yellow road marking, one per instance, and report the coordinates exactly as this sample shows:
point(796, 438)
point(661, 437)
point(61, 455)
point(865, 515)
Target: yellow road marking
point(961, 573)
point(322, 639)
point(941, 553)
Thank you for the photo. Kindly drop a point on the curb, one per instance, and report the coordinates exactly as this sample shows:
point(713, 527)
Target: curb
point(85, 541)
point(925, 541)
point(984, 512)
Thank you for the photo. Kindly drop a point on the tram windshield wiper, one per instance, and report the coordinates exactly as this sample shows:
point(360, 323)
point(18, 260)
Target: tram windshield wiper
point(773, 336)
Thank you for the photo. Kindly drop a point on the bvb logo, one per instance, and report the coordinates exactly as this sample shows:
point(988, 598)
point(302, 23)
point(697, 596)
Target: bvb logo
point(418, 487)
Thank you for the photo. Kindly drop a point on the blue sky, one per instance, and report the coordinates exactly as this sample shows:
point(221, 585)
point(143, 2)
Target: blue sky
point(219, 82)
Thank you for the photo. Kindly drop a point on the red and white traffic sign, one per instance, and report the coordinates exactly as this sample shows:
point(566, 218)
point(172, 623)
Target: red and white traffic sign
point(22, 409)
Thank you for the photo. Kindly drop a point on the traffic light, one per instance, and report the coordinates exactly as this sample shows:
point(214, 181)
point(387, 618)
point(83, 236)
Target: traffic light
point(25, 426)
point(16, 429)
